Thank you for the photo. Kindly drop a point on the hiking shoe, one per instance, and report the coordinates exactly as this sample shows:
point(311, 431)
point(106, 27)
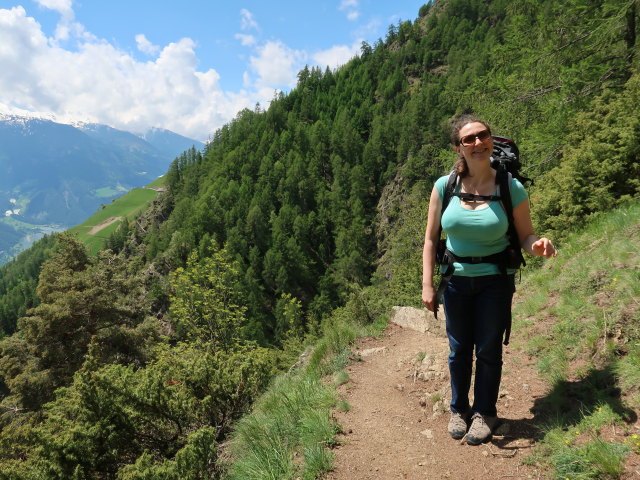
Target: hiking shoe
point(457, 425)
point(480, 430)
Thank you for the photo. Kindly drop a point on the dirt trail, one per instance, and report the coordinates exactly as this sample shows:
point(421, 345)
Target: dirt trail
point(397, 425)
point(104, 225)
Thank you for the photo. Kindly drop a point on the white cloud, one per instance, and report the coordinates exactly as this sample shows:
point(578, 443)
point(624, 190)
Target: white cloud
point(64, 7)
point(97, 82)
point(348, 4)
point(247, 21)
point(246, 40)
point(66, 27)
point(246, 79)
point(368, 30)
point(276, 65)
point(145, 46)
point(273, 66)
point(337, 55)
point(351, 6)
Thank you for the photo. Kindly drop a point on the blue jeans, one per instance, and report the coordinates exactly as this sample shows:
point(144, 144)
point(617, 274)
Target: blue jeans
point(477, 311)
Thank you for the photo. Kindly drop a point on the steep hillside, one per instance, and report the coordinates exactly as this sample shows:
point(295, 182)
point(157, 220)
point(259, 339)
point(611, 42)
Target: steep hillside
point(301, 224)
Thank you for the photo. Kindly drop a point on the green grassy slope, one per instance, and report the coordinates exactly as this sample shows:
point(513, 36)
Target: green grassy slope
point(579, 316)
point(127, 206)
point(583, 307)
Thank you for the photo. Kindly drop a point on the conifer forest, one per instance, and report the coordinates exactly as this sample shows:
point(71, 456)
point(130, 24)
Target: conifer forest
point(136, 363)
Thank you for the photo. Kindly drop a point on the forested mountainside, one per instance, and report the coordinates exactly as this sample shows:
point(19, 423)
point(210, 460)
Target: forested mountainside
point(135, 364)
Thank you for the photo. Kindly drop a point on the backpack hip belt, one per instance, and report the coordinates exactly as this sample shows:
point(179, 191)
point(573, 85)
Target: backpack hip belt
point(502, 259)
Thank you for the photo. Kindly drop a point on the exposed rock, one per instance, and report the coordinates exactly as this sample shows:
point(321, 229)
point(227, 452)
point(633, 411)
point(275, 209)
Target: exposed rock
point(420, 320)
point(372, 351)
point(303, 361)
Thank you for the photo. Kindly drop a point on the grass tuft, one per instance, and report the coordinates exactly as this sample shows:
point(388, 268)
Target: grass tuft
point(292, 415)
point(340, 378)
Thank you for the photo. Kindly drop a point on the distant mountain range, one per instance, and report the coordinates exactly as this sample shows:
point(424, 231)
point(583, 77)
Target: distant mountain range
point(54, 175)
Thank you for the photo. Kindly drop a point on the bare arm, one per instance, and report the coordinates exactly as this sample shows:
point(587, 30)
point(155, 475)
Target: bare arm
point(431, 238)
point(541, 247)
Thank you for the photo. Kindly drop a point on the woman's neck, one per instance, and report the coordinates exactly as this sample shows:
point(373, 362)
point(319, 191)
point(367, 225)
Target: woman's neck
point(480, 175)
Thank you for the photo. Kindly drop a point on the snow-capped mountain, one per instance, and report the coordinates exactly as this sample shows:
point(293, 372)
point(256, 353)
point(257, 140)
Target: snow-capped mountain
point(59, 174)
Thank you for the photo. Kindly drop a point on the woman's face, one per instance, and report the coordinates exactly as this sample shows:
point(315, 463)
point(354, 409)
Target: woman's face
point(476, 144)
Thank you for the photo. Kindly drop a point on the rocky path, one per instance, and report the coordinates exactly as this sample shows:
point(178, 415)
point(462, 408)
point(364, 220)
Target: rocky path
point(396, 428)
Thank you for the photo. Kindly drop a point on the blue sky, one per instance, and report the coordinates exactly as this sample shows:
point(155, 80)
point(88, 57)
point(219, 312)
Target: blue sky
point(188, 66)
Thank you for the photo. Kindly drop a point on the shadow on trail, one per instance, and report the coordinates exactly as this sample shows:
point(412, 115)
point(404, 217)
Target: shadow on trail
point(567, 403)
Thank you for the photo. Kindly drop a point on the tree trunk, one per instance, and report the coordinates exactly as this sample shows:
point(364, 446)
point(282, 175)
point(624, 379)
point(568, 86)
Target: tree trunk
point(630, 37)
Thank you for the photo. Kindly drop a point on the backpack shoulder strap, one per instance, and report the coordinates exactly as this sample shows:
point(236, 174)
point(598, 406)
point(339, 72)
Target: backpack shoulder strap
point(504, 179)
point(448, 192)
point(452, 182)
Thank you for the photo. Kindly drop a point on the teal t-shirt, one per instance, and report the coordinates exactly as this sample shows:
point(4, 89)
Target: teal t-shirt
point(477, 233)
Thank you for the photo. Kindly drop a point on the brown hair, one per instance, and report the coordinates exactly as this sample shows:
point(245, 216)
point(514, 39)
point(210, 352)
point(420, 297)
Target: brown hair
point(456, 125)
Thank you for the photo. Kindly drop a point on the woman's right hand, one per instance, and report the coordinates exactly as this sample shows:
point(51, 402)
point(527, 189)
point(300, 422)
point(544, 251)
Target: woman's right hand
point(428, 297)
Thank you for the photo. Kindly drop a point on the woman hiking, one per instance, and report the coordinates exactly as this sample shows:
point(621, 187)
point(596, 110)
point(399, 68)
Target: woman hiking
point(477, 297)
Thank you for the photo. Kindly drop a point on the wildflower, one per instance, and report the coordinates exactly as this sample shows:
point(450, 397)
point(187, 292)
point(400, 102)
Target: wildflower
point(634, 436)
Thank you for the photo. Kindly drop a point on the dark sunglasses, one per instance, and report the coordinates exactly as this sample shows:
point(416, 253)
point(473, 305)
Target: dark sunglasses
point(469, 140)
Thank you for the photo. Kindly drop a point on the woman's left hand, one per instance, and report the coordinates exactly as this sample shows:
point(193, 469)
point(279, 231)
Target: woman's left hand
point(544, 248)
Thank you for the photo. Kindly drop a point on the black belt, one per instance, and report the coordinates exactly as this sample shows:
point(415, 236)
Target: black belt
point(496, 258)
point(500, 259)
